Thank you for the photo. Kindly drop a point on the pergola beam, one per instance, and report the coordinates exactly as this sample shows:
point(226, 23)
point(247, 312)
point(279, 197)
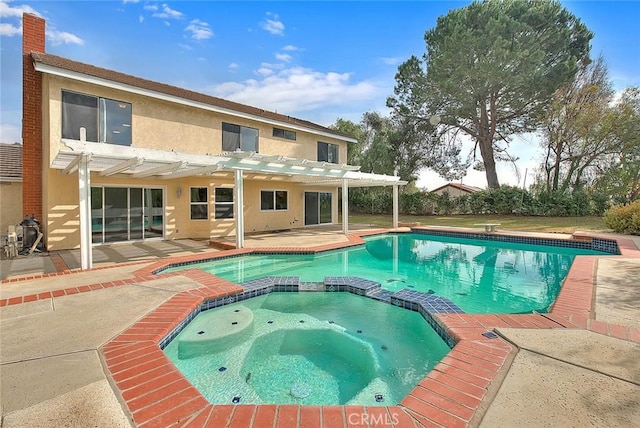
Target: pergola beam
point(159, 170)
point(73, 165)
point(203, 170)
point(122, 166)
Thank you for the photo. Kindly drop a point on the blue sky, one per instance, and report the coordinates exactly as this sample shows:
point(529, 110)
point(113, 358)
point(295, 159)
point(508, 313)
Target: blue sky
point(314, 60)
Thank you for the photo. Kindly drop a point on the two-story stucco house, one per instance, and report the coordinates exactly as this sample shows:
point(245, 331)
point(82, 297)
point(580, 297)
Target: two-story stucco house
point(110, 157)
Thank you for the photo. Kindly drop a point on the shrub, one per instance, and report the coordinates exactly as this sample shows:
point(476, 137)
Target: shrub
point(417, 203)
point(624, 218)
point(445, 204)
point(599, 203)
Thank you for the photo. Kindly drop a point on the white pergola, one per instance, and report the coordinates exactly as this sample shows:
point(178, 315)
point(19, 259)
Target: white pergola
point(107, 159)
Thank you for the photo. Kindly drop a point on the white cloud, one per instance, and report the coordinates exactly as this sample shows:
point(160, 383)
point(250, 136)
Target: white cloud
point(56, 37)
point(167, 23)
point(297, 89)
point(167, 12)
point(264, 71)
point(130, 1)
point(233, 66)
point(272, 24)
point(9, 30)
point(199, 30)
point(291, 48)
point(391, 60)
point(140, 19)
point(62, 37)
point(283, 57)
point(150, 7)
point(10, 133)
point(201, 58)
point(7, 11)
point(185, 47)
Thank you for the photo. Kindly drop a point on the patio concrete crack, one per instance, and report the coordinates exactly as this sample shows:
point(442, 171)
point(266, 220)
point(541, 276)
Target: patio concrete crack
point(630, 381)
point(49, 356)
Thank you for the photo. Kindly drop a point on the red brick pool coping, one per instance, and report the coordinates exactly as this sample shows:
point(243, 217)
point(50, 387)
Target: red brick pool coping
point(451, 395)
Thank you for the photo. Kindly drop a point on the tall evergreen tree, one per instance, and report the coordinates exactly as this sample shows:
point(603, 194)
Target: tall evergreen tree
point(490, 70)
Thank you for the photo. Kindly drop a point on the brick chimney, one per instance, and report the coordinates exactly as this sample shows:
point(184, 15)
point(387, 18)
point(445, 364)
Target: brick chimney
point(33, 36)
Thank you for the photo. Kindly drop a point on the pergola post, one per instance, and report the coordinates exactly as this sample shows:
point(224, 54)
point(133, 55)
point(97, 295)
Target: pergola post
point(395, 206)
point(84, 187)
point(345, 206)
point(238, 202)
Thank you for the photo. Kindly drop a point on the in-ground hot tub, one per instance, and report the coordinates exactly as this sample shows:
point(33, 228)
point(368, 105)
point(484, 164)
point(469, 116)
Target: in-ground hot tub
point(307, 348)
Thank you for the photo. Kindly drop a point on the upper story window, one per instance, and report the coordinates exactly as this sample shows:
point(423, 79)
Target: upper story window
point(327, 152)
point(106, 121)
point(283, 133)
point(236, 137)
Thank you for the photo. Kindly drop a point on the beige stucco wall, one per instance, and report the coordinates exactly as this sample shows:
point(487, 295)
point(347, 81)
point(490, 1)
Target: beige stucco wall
point(10, 205)
point(62, 212)
point(162, 125)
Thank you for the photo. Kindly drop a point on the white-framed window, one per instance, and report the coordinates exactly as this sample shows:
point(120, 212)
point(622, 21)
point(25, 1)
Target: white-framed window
point(199, 203)
point(223, 203)
point(327, 152)
point(106, 121)
point(236, 137)
point(274, 200)
point(283, 133)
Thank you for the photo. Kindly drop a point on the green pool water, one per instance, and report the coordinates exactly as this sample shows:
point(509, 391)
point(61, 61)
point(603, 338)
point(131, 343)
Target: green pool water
point(307, 348)
point(479, 276)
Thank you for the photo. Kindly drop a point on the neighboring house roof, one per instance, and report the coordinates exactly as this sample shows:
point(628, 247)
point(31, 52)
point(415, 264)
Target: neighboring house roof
point(10, 162)
point(162, 88)
point(459, 186)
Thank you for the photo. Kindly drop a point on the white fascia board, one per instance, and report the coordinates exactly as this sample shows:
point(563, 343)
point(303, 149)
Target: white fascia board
point(43, 68)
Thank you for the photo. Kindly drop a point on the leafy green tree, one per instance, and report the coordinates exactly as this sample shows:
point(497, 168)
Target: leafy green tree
point(620, 174)
point(390, 145)
point(353, 130)
point(580, 130)
point(489, 72)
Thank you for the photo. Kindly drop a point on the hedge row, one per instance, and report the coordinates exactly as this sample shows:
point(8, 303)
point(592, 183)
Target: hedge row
point(504, 200)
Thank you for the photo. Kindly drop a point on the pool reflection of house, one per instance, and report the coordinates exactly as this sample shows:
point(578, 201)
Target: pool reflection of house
point(112, 157)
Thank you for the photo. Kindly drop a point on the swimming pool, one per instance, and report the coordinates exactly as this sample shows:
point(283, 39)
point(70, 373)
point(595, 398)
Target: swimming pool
point(479, 276)
point(307, 348)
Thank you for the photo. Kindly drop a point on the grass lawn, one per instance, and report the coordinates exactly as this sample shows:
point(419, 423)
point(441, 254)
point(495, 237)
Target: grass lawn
point(508, 222)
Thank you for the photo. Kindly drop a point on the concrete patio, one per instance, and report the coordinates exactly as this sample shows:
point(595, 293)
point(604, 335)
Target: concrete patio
point(53, 374)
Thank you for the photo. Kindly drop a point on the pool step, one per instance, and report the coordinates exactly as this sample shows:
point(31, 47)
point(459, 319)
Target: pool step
point(311, 286)
point(381, 295)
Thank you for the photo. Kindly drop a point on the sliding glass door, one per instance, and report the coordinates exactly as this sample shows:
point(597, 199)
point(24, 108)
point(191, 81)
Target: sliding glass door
point(153, 213)
point(126, 214)
point(317, 208)
point(116, 214)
